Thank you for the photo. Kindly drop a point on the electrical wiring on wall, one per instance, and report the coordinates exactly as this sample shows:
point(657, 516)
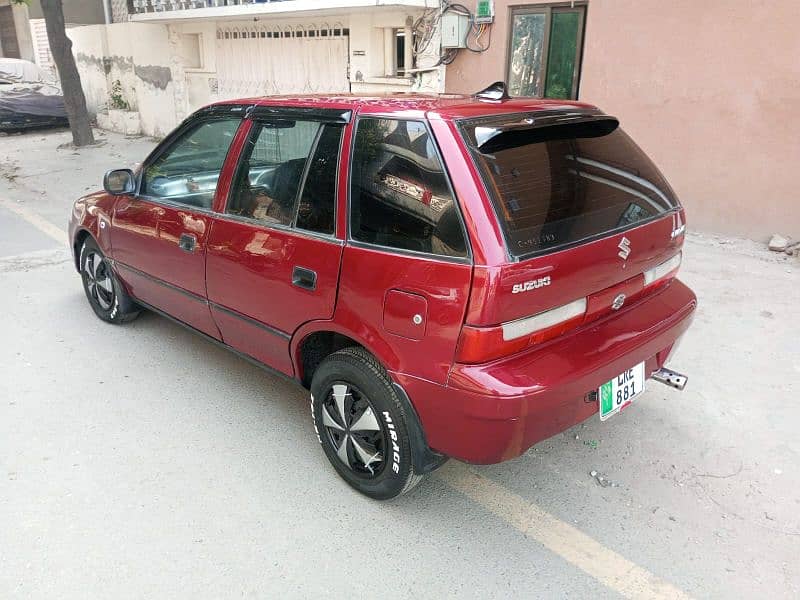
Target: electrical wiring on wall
point(427, 25)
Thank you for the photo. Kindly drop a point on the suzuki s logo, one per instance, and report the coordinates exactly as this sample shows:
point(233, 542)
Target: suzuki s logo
point(527, 286)
point(618, 302)
point(624, 248)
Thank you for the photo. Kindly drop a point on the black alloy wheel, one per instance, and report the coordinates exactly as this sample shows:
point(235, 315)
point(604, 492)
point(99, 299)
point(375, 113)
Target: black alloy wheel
point(97, 275)
point(362, 424)
point(353, 430)
point(107, 296)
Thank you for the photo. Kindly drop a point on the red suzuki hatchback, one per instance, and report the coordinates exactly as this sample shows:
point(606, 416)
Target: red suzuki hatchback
point(450, 277)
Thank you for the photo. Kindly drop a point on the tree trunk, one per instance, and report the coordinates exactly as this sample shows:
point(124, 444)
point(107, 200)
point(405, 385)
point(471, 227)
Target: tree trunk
point(61, 48)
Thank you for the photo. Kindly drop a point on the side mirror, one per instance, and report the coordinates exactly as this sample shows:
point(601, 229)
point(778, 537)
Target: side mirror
point(120, 181)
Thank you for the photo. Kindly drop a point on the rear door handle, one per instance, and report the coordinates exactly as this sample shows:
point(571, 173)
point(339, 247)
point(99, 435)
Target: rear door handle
point(304, 278)
point(187, 242)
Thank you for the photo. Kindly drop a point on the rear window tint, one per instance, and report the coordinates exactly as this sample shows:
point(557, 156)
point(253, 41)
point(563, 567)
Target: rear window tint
point(399, 193)
point(569, 184)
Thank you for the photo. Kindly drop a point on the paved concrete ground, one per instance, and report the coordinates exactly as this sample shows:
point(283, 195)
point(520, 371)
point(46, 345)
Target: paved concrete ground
point(141, 461)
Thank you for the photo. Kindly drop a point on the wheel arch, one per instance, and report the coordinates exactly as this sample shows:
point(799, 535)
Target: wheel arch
point(315, 341)
point(91, 217)
point(77, 241)
point(329, 332)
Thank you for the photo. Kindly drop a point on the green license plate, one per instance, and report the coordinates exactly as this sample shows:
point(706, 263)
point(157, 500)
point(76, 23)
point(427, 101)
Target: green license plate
point(618, 393)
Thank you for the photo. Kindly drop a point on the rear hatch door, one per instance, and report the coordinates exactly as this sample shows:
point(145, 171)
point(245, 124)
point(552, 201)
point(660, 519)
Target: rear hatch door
point(584, 213)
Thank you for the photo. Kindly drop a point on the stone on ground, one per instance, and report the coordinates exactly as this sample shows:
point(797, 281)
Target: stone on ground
point(778, 243)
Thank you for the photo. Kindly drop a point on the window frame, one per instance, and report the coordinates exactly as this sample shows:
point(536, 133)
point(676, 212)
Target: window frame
point(291, 114)
point(201, 67)
point(307, 168)
point(234, 112)
point(468, 259)
point(547, 10)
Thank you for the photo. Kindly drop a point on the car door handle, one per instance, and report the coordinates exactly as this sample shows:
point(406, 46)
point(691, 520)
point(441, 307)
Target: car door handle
point(187, 242)
point(304, 278)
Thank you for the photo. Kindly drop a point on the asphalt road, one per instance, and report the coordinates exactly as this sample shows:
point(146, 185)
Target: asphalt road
point(143, 462)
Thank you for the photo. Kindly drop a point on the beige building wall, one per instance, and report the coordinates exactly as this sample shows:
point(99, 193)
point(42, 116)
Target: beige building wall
point(139, 56)
point(709, 89)
point(161, 86)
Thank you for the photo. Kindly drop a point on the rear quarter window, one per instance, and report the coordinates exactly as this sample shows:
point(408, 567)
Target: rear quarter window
point(557, 187)
point(400, 196)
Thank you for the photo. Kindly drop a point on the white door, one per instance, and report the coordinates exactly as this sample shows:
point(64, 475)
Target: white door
point(260, 60)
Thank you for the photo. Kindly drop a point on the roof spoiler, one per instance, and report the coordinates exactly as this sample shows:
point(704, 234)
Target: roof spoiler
point(532, 129)
point(497, 91)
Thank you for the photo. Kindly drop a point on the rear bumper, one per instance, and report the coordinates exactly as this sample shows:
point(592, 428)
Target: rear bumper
point(494, 412)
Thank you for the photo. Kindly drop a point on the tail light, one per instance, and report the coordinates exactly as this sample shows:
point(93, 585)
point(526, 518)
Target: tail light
point(482, 344)
point(663, 272)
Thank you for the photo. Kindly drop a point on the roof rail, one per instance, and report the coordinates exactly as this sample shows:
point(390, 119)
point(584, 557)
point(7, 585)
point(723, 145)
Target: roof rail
point(497, 91)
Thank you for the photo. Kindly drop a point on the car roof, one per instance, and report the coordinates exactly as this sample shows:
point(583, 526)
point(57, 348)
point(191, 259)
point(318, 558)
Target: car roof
point(445, 106)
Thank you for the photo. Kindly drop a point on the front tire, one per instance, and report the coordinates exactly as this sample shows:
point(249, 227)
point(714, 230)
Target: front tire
point(361, 424)
point(105, 293)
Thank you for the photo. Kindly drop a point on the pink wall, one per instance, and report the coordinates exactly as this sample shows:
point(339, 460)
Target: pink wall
point(710, 90)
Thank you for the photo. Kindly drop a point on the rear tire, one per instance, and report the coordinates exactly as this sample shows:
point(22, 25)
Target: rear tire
point(106, 295)
point(362, 425)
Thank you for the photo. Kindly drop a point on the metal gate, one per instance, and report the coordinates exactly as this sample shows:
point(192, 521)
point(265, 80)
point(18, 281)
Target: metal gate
point(266, 60)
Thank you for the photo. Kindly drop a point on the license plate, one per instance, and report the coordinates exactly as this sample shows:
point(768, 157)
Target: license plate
point(620, 391)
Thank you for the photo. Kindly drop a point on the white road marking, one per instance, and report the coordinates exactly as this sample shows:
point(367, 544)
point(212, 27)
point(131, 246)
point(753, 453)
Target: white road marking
point(603, 564)
point(34, 219)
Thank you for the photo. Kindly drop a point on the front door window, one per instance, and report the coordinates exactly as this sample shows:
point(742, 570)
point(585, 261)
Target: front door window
point(188, 171)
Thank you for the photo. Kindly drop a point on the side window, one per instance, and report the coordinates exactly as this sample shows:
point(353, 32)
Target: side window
point(189, 170)
point(399, 195)
point(269, 174)
point(317, 209)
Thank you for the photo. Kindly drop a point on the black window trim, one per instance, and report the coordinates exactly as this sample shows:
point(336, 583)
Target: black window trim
point(304, 180)
point(291, 227)
point(468, 259)
point(202, 116)
point(323, 237)
point(300, 113)
point(342, 131)
point(471, 150)
point(176, 205)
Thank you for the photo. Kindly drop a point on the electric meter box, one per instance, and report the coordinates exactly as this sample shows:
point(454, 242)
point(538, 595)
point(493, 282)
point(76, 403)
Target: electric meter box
point(484, 11)
point(455, 27)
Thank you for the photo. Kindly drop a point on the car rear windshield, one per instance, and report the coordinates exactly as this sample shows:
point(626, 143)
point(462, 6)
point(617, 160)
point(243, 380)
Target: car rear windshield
point(561, 181)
